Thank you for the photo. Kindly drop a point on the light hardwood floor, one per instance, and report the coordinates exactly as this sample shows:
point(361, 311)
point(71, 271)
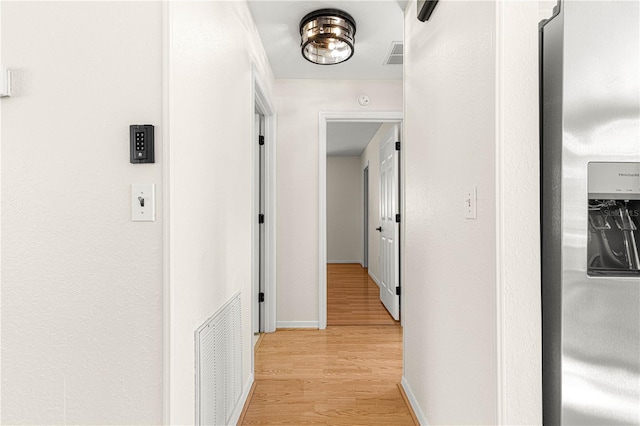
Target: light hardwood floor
point(344, 375)
point(353, 298)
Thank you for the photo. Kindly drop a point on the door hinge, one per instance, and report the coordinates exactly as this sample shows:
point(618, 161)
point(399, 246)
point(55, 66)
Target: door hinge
point(260, 297)
point(397, 146)
point(260, 140)
point(398, 291)
point(260, 218)
point(398, 218)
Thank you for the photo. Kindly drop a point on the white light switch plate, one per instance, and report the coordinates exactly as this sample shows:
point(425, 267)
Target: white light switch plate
point(470, 201)
point(143, 202)
point(5, 82)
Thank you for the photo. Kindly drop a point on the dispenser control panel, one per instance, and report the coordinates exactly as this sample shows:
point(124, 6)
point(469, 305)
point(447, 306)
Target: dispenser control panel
point(614, 219)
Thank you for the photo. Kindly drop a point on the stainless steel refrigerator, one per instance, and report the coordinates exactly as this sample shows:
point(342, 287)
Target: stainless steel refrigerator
point(590, 215)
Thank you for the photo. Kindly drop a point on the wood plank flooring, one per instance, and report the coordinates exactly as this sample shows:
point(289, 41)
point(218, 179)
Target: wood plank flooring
point(353, 298)
point(344, 375)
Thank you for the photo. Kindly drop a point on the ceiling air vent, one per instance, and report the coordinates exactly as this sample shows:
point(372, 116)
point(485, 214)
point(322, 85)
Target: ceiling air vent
point(395, 54)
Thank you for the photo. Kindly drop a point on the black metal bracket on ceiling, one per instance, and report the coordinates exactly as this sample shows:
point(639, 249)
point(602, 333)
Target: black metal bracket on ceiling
point(425, 9)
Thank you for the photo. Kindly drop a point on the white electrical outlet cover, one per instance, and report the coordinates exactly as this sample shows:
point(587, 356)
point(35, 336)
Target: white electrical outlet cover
point(143, 202)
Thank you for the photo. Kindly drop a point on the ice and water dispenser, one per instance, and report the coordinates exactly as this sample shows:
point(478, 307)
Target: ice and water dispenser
point(614, 219)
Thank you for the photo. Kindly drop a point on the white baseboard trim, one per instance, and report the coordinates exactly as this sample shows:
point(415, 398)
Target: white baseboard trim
point(414, 403)
point(374, 278)
point(235, 416)
point(296, 324)
point(359, 262)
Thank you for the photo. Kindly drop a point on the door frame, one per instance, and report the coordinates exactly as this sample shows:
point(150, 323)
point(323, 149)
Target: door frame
point(324, 119)
point(263, 105)
point(365, 216)
point(257, 311)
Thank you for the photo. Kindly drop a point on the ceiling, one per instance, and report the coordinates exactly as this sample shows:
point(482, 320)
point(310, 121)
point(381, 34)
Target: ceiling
point(344, 138)
point(378, 25)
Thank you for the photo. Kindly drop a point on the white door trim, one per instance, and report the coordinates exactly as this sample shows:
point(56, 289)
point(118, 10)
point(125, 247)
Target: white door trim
point(365, 216)
point(324, 119)
point(501, 402)
point(264, 106)
point(168, 248)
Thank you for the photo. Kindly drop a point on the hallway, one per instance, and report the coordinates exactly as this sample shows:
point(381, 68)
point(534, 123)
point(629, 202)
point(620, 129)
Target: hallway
point(100, 310)
point(347, 374)
point(353, 298)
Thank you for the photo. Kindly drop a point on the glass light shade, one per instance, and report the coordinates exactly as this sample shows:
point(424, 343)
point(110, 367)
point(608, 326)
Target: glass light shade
point(328, 36)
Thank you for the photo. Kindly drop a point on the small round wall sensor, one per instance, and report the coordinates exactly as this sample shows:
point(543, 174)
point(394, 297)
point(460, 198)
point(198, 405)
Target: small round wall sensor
point(363, 101)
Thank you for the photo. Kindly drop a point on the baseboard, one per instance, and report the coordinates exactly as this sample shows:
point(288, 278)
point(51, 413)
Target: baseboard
point(296, 324)
point(239, 410)
point(359, 262)
point(256, 345)
point(416, 422)
point(374, 278)
point(414, 403)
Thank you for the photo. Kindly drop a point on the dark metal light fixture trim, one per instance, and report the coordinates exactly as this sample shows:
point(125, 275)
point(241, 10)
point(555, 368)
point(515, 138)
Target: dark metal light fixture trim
point(425, 9)
point(327, 36)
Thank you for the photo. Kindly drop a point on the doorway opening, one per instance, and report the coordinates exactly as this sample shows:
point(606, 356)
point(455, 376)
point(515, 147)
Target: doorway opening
point(258, 322)
point(263, 228)
point(385, 118)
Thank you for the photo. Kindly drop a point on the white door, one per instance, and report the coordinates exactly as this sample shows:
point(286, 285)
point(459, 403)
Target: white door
point(389, 227)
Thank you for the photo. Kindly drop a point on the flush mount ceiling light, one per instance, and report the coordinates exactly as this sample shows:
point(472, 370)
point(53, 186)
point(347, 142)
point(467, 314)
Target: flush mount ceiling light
point(327, 36)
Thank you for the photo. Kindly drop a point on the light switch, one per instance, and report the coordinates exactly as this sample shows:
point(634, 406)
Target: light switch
point(470, 202)
point(5, 82)
point(143, 202)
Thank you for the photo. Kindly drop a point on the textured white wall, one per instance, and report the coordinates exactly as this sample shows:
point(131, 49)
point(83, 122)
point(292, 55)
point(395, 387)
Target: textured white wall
point(0, 227)
point(81, 283)
point(344, 210)
point(299, 103)
point(212, 48)
point(450, 262)
point(519, 220)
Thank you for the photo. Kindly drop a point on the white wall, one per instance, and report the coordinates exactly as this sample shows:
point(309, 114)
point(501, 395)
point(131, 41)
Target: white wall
point(450, 262)
point(472, 326)
point(299, 103)
point(0, 227)
point(81, 283)
point(212, 48)
point(518, 235)
point(344, 210)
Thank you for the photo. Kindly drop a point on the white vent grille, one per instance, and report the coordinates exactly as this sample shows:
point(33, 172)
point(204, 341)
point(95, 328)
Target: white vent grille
point(395, 56)
point(219, 365)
